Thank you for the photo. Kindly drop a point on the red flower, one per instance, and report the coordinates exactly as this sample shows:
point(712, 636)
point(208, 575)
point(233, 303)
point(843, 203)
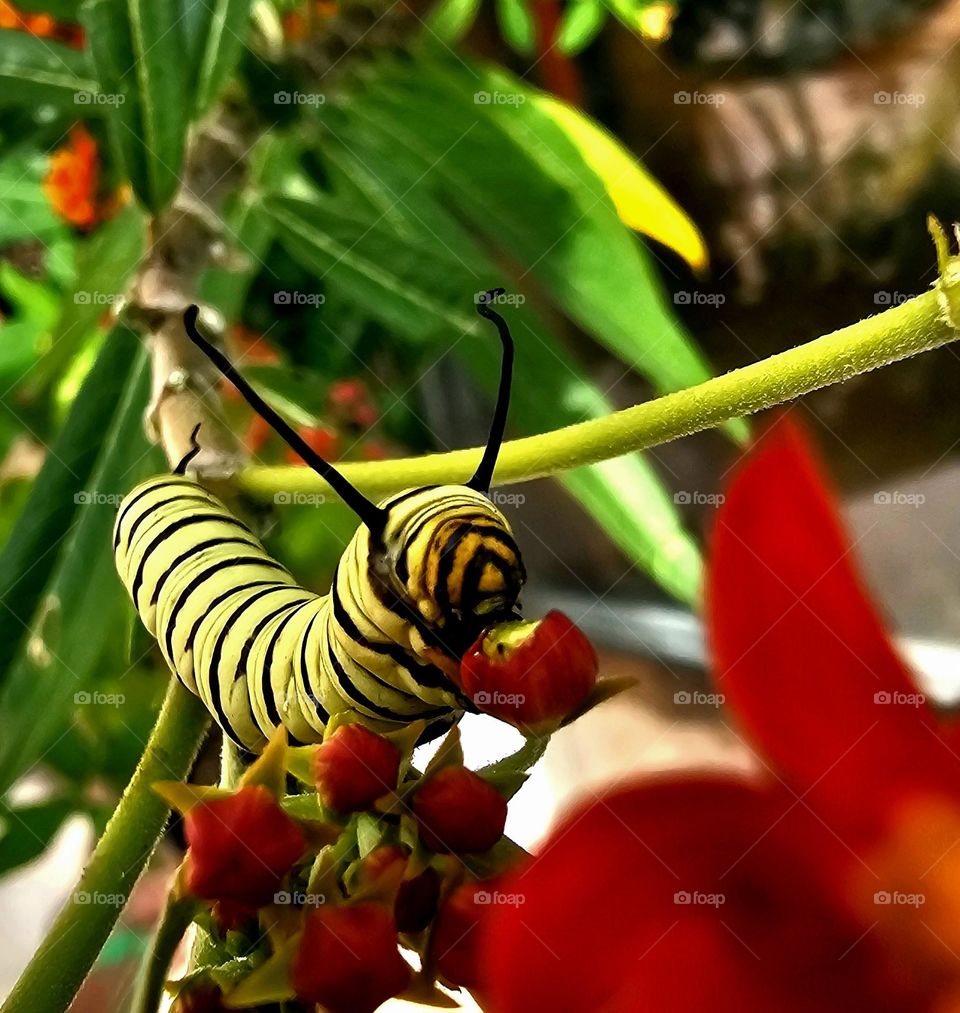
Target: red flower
point(72, 180)
point(348, 960)
point(321, 439)
point(455, 943)
point(241, 846)
point(831, 883)
point(531, 674)
point(355, 767)
point(417, 896)
point(458, 811)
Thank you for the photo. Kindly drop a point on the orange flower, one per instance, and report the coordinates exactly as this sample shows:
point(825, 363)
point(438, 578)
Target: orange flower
point(71, 183)
point(44, 26)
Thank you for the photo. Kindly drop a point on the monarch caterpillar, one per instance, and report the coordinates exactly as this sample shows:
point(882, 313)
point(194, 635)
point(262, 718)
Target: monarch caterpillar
point(427, 570)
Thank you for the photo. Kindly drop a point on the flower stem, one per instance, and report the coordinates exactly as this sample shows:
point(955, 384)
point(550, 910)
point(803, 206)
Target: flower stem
point(915, 326)
point(176, 917)
point(63, 960)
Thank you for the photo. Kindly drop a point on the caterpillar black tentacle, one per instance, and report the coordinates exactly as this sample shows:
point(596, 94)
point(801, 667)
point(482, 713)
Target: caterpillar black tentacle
point(426, 572)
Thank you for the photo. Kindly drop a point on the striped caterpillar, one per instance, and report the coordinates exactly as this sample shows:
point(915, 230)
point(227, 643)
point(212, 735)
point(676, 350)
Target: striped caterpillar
point(427, 571)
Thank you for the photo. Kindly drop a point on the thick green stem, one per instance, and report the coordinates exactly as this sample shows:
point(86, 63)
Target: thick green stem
point(66, 955)
point(915, 326)
point(176, 917)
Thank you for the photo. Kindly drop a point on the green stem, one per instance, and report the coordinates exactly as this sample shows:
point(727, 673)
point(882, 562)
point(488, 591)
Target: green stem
point(915, 326)
point(63, 960)
point(177, 915)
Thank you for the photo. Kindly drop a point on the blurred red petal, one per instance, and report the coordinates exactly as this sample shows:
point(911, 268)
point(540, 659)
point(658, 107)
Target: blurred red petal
point(799, 650)
point(680, 897)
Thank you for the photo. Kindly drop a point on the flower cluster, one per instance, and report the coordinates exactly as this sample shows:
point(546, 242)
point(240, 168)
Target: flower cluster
point(44, 26)
point(322, 890)
point(73, 179)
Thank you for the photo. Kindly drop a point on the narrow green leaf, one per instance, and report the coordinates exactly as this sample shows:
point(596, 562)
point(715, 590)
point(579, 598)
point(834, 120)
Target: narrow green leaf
point(81, 604)
point(517, 25)
point(34, 71)
point(223, 48)
point(581, 22)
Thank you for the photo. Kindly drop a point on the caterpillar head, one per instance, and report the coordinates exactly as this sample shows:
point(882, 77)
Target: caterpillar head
point(451, 554)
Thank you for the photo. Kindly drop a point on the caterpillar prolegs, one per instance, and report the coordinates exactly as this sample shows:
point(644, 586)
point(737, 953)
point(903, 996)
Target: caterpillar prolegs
point(426, 572)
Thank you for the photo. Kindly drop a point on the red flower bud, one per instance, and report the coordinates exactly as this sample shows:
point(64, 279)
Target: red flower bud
point(458, 811)
point(241, 847)
point(347, 393)
point(455, 945)
point(354, 767)
point(348, 960)
point(531, 674)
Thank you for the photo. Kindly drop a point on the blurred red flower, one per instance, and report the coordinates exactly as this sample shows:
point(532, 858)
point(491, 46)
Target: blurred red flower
point(832, 882)
point(73, 178)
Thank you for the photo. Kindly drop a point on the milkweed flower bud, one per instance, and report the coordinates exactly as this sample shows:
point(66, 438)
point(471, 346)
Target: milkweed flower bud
point(530, 674)
point(355, 767)
point(417, 896)
point(348, 960)
point(455, 945)
point(456, 810)
point(241, 846)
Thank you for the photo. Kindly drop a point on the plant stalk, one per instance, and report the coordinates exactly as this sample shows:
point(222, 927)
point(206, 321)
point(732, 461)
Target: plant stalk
point(915, 326)
point(63, 960)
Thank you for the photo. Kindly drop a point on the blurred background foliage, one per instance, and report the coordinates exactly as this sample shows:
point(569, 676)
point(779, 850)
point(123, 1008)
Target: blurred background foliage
point(389, 162)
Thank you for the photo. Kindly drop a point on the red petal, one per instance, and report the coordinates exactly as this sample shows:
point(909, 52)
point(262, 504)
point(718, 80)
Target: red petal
point(798, 648)
point(601, 922)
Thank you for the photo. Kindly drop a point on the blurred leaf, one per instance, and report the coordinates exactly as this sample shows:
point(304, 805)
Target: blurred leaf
point(34, 71)
point(25, 212)
point(517, 25)
point(26, 831)
point(62, 10)
point(35, 308)
point(223, 46)
point(582, 20)
point(452, 19)
point(31, 552)
point(138, 48)
point(404, 285)
point(640, 200)
point(297, 397)
point(82, 602)
point(105, 261)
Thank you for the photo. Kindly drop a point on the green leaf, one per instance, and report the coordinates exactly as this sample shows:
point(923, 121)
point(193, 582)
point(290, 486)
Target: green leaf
point(26, 831)
point(31, 552)
point(450, 20)
point(509, 774)
point(581, 22)
point(25, 213)
point(62, 10)
point(34, 71)
point(80, 605)
point(517, 25)
point(138, 47)
point(222, 49)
